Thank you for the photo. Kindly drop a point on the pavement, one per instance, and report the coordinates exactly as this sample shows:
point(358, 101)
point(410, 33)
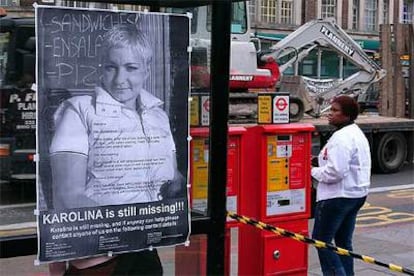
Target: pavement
point(389, 244)
point(383, 233)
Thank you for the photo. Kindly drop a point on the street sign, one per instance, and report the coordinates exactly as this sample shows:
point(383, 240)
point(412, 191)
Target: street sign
point(273, 108)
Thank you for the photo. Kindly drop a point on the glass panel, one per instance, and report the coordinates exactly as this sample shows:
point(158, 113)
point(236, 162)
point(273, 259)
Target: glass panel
point(181, 260)
point(239, 18)
point(201, 20)
point(17, 148)
point(329, 65)
point(371, 7)
point(80, 4)
point(277, 11)
point(308, 67)
point(252, 10)
point(269, 11)
point(386, 12)
point(132, 7)
point(192, 259)
point(407, 16)
point(290, 71)
point(17, 124)
point(286, 10)
point(349, 68)
point(194, 20)
point(4, 43)
point(355, 15)
point(328, 8)
point(9, 3)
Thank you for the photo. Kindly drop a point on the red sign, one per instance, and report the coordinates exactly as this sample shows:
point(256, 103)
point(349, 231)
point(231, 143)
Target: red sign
point(206, 105)
point(281, 104)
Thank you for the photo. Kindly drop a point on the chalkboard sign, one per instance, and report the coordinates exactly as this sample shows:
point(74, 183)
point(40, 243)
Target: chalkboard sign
point(123, 146)
point(69, 42)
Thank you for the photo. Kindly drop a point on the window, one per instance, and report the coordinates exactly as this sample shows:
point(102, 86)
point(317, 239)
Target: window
point(252, 10)
point(407, 14)
point(385, 12)
point(309, 66)
point(4, 43)
point(286, 11)
point(355, 15)
point(328, 8)
point(133, 7)
point(268, 11)
point(239, 18)
point(76, 4)
point(329, 64)
point(349, 68)
point(277, 11)
point(371, 7)
point(193, 11)
point(83, 4)
point(9, 3)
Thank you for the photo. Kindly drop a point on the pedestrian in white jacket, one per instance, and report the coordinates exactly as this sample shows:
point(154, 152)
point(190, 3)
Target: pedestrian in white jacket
point(343, 177)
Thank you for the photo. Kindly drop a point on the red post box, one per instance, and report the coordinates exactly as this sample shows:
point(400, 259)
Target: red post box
point(199, 154)
point(276, 190)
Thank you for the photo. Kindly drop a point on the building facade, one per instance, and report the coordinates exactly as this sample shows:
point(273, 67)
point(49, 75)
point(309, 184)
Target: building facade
point(271, 20)
point(360, 17)
point(274, 19)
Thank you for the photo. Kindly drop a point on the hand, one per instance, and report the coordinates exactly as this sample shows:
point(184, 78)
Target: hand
point(314, 182)
point(173, 188)
point(314, 161)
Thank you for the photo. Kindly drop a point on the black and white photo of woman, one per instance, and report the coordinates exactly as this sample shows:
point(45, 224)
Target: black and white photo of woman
point(115, 146)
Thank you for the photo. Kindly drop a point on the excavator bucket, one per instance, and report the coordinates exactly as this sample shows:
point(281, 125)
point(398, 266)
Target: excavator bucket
point(296, 88)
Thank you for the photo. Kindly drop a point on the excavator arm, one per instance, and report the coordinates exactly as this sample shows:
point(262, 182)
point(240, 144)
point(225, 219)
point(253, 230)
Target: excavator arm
point(326, 33)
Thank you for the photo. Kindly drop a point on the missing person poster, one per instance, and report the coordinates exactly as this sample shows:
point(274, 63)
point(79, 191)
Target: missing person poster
point(112, 131)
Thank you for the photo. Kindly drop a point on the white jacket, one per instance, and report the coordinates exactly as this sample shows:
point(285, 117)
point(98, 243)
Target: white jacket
point(344, 165)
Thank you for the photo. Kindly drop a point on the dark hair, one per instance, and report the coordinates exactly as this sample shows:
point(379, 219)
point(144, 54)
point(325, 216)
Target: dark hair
point(348, 105)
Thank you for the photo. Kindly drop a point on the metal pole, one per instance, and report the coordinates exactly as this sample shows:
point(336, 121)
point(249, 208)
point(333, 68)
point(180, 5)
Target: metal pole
point(411, 71)
point(220, 64)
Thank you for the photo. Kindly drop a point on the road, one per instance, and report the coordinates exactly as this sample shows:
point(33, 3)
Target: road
point(384, 231)
point(391, 199)
point(403, 177)
point(403, 180)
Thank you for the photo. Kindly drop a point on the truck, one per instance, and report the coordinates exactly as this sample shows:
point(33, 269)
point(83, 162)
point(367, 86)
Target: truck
point(17, 101)
point(391, 139)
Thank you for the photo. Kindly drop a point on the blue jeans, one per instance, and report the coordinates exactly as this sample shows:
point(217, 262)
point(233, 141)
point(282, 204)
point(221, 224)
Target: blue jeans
point(335, 220)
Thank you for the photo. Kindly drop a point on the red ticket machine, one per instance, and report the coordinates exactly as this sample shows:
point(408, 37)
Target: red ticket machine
point(277, 191)
point(199, 153)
